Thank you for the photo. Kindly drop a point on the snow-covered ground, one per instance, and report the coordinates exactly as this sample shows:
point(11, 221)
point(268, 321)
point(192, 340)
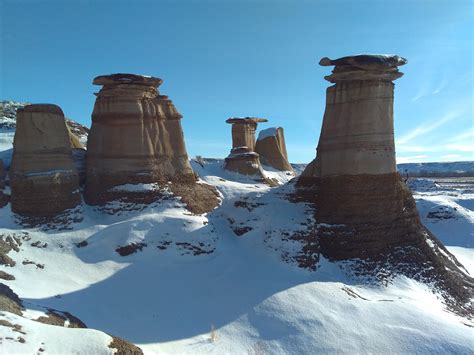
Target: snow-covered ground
point(218, 284)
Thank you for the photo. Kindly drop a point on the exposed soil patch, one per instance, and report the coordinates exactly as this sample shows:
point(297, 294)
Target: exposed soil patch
point(39, 244)
point(9, 242)
point(250, 206)
point(130, 248)
point(164, 245)
point(241, 230)
point(16, 327)
point(82, 244)
point(199, 198)
point(29, 262)
point(124, 347)
point(62, 319)
point(6, 276)
point(59, 222)
point(9, 300)
point(202, 248)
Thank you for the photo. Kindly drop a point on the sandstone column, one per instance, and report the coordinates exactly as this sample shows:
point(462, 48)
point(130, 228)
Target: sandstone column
point(272, 149)
point(136, 137)
point(44, 180)
point(242, 158)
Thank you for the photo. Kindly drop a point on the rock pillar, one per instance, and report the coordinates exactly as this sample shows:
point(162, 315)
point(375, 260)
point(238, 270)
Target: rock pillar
point(272, 149)
point(43, 178)
point(242, 158)
point(364, 211)
point(136, 137)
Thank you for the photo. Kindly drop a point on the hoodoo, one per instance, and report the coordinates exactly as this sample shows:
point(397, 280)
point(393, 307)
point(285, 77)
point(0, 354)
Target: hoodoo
point(243, 158)
point(364, 210)
point(44, 180)
point(272, 149)
point(136, 137)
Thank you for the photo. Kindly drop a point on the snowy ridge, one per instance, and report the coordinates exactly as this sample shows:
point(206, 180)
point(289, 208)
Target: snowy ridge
point(224, 271)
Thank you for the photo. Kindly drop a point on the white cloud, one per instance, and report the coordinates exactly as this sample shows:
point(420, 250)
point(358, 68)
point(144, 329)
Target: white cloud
point(462, 136)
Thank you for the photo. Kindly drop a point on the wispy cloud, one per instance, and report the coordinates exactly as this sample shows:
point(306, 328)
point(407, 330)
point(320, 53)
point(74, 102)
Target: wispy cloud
point(469, 134)
point(460, 147)
point(450, 156)
point(427, 127)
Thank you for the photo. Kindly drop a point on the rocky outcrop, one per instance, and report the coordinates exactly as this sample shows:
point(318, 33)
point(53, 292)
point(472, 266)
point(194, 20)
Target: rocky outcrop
point(272, 149)
point(136, 137)
point(243, 158)
point(43, 178)
point(364, 210)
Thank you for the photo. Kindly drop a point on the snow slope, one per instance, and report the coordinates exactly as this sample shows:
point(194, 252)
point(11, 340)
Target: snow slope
point(226, 282)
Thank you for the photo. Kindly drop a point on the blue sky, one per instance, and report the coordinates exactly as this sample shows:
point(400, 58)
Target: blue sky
point(249, 58)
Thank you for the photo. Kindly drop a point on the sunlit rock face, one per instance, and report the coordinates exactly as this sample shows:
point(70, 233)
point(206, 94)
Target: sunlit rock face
point(272, 149)
point(136, 137)
point(357, 133)
point(363, 209)
point(43, 177)
point(243, 158)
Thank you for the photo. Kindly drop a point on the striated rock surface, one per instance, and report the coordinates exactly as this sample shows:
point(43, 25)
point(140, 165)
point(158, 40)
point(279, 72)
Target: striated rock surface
point(44, 180)
point(136, 137)
point(357, 132)
point(364, 210)
point(272, 149)
point(243, 158)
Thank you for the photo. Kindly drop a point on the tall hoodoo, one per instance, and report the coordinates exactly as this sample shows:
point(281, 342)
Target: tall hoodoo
point(136, 137)
point(243, 158)
point(364, 210)
point(272, 149)
point(43, 177)
point(357, 133)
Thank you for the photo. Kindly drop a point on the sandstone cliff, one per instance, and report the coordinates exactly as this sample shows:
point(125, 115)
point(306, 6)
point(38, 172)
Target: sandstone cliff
point(44, 180)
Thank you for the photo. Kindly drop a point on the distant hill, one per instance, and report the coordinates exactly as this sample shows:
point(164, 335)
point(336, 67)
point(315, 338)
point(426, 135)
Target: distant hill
point(442, 169)
point(446, 169)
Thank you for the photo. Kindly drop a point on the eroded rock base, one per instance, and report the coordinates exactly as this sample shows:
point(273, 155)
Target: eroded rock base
point(372, 221)
point(198, 198)
point(46, 195)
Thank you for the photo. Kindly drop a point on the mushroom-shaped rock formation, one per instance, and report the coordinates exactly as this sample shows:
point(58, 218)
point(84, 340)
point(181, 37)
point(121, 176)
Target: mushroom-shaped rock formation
point(363, 208)
point(243, 158)
point(136, 137)
point(272, 149)
point(43, 178)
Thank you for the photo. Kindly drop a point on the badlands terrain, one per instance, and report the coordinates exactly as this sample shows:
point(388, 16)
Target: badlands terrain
point(232, 281)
